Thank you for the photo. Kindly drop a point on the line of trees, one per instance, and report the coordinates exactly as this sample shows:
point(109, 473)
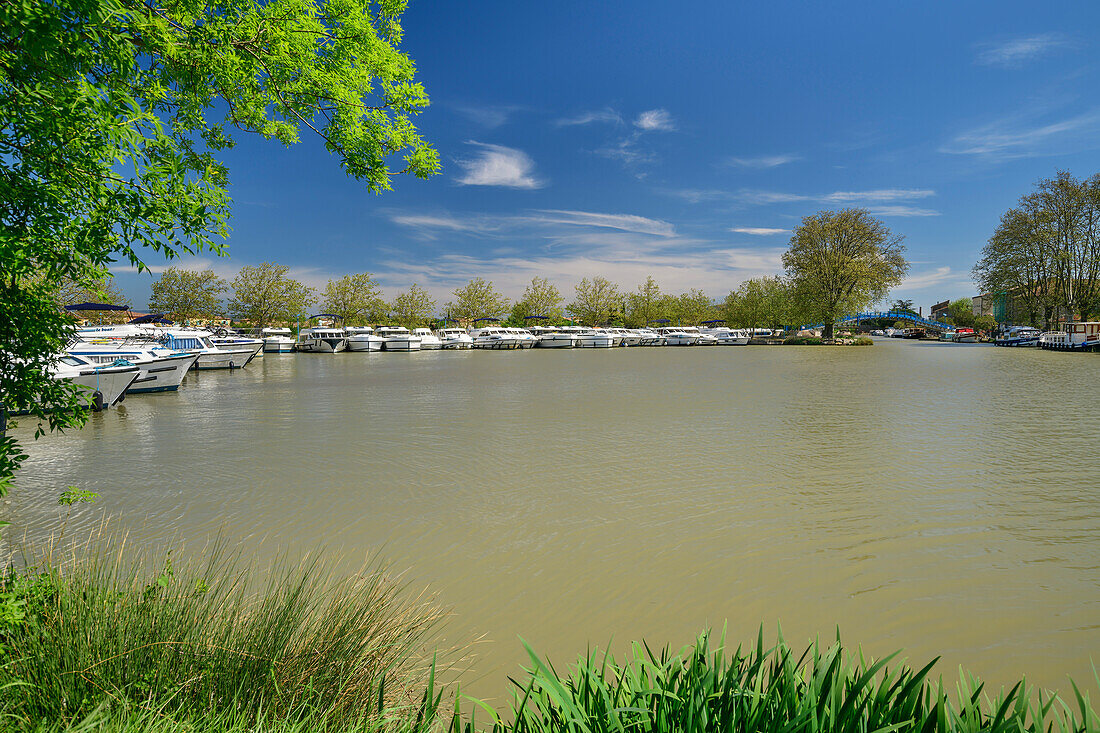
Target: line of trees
point(838, 263)
point(1044, 256)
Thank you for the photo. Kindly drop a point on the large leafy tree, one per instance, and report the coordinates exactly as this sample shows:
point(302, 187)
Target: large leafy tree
point(477, 299)
point(412, 308)
point(642, 305)
point(355, 298)
point(760, 302)
point(841, 262)
point(112, 115)
point(694, 307)
point(1044, 255)
point(595, 301)
point(185, 295)
point(540, 298)
point(266, 294)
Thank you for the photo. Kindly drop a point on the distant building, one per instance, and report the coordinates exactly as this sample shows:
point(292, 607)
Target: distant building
point(939, 310)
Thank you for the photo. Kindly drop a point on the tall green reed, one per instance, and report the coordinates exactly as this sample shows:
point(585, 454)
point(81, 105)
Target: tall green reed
point(767, 690)
point(200, 637)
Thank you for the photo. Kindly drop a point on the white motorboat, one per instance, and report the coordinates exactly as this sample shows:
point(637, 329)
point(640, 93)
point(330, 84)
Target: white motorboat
point(277, 340)
point(363, 338)
point(455, 338)
point(428, 340)
point(1074, 336)
point(878, 332)
point(398, 338)
point(677, 336)
point(726, 336)
point(322, 339)
point(526, 339)
point(1019, 336)
point(553, 338)
point(192, 340)
point(230, 341)
point(159, 369)
point(494, 337)
point(649, 337)
point(590, 338)
point(105, 383)
point(626, 337)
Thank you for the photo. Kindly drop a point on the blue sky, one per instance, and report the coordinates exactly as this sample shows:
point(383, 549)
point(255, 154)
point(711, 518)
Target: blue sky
point(626, 139)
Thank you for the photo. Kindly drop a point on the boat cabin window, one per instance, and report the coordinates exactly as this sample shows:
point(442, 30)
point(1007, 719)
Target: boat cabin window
point(71, 361)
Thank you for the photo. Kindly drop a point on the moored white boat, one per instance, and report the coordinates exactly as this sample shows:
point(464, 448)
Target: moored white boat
point(229, 341)
point(159, 369)
point(398, 338)
point(1019, 336)
point(726, 336)
point(495, 338)
point(428, 340)
point(363, 338)
point(106, 383)
point(1074, 336)
point(455, 338)
point(277, 340)
point(677, 336)
point(554, 338)
point(322, 339)
point(590, 338)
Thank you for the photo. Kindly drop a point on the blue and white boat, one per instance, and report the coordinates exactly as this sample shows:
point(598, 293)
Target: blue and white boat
point(159, 369)
point(1019, 336)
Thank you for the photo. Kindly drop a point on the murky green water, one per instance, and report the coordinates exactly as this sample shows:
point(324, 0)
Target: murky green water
point(941, 498)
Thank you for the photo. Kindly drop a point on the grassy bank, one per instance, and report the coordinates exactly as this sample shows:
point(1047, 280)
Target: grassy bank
point(112, 645)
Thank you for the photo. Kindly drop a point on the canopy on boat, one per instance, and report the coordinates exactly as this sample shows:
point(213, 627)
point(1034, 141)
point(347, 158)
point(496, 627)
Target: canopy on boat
point(714, 320)
point(326, 315)
point(96, 307)
point(487, 318)
point(150, 318)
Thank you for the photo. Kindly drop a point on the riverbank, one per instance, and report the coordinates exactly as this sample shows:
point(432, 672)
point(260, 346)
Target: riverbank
point(105, 645)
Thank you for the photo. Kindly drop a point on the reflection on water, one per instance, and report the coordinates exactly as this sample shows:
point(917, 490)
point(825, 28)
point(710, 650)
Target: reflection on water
point(936, 497)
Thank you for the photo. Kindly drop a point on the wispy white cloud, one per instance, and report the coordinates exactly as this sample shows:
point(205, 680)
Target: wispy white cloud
point(873, 199)
point(624, 222)
point(497, 165)
point(655, 120)
point(763, 161)
point(882, 194)
point(489, 115)
point(606, 115)
point(1016, 52)
point(928, 278)
point(901, 211)
point(627, 151)
point(759, 231)
point(487, 224)
point(1021, 136)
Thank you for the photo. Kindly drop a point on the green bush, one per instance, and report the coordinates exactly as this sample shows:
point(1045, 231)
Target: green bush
point(864, 341)
point(802, 341)
point(107, 636)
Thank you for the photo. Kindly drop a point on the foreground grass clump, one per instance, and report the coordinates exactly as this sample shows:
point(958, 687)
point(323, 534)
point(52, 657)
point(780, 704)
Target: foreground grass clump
point(769, 690)
point(110, 643)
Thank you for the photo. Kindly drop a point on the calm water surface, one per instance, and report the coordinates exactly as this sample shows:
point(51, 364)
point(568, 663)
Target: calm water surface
point(933, 497)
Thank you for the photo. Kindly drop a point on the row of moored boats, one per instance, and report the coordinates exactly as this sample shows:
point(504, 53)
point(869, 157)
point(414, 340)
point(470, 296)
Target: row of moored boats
point(332, 339)
point(117, 360)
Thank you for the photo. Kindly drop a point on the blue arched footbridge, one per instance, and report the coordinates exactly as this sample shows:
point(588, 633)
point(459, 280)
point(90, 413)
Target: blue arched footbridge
point(891, 315)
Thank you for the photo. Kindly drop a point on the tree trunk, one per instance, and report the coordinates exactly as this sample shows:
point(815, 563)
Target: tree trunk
point(828, 332)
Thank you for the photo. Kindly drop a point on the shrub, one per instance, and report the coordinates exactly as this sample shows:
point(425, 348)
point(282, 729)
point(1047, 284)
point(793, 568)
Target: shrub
point(802, 341)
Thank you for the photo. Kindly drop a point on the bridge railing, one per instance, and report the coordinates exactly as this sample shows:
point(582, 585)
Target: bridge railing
point(895, 315)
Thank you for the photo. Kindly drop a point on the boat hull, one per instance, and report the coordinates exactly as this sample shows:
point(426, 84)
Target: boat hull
point(373, 343)
point(162, 375)
point(402, 345)
point(108, 386)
